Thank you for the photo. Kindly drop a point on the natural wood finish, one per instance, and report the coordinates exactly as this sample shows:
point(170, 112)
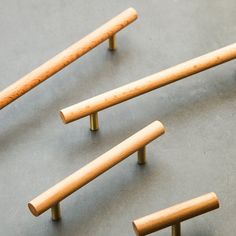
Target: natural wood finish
point(175, 214)
point(95, 168)
point(148, 84)
point(66, 57)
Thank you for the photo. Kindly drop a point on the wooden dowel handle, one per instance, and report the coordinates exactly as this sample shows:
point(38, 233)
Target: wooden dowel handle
point(95, 168)
point(147, 84)
point(175, 214)
point(66, 57)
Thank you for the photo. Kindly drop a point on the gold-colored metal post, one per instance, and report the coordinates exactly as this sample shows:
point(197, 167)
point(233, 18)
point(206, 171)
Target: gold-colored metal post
point(112, 43)
point(94, 121)
point(56, 213)
point(142, 156)
point(176, 229)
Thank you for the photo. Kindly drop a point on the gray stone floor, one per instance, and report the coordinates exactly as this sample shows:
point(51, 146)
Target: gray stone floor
point(195, 156)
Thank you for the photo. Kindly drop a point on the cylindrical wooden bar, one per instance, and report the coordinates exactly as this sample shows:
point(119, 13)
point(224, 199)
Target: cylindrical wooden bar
point(175, 214)
point(147, 84)
point(95, 168)
point(66, 57)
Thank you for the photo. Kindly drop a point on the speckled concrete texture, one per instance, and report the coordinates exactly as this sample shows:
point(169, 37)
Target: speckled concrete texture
point(195, 156)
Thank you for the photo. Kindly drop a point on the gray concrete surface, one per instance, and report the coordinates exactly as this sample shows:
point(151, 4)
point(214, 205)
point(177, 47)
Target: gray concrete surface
point(195, 156)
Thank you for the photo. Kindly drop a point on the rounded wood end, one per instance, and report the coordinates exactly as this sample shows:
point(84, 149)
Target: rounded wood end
point(135, 229)
point(217, 202)
point(158, 123)
point(32, 209)
point(63, 117)
point(133, 11)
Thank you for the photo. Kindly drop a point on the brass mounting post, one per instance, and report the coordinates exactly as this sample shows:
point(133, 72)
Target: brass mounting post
point(142, 155)
point(176, 229)
point(56, 213)
point(112, 43)
point(94, 121)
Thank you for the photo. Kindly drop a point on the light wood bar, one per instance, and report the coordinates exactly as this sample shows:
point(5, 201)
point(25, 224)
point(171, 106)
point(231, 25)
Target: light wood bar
point(95, 168)
point(46, 70)
point(148, 84)
point(174, 215)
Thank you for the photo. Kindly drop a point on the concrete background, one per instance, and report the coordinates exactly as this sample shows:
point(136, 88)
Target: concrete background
point(194, 157)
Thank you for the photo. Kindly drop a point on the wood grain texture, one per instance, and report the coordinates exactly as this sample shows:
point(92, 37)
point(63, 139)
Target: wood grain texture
point(95, 168)
point(148, 84)
point(66, 57)
point(175, 214)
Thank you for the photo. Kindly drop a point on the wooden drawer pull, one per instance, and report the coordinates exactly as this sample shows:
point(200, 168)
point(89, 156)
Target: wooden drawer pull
point(49, 68)
point(93, 105)
point(52, 197)
point(172, 216)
